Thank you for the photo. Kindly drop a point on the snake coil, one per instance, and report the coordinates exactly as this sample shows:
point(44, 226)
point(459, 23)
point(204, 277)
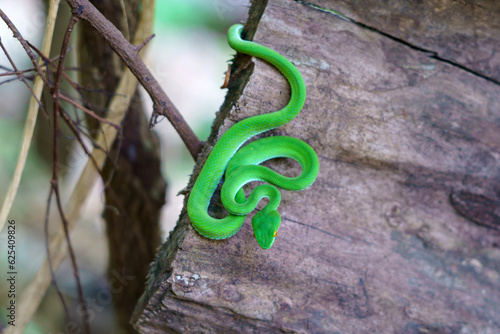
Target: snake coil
point(242, 166)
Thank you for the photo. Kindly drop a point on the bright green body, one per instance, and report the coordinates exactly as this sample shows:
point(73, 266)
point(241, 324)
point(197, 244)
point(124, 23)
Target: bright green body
point(241, 166)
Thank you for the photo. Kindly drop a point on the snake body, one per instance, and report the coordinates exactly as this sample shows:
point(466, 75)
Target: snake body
point(242, 166)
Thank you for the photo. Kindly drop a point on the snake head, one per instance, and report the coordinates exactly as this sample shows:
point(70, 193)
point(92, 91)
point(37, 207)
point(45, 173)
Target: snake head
point(265, 225)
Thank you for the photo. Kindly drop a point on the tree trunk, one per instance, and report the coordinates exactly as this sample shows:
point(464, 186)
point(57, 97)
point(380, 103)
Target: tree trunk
point(135, 188)
point(401, 231)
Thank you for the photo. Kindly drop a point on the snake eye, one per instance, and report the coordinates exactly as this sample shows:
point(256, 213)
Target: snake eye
point(275, 234)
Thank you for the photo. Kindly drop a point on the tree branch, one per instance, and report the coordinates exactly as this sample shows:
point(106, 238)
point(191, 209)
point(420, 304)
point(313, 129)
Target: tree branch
point(9, 23)
point(55, 179)
point(129, 54)
point(25, 45)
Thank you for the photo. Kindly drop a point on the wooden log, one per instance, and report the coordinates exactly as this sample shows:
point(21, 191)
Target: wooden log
point(400, 232)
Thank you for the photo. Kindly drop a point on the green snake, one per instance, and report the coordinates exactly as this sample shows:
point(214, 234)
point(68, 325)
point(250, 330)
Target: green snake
point(241, 166)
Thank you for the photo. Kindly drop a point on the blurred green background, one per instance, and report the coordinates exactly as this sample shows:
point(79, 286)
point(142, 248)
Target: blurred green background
point(189, 57)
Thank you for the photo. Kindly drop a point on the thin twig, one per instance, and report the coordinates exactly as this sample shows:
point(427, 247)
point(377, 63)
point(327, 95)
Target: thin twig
point(74, 128)
point(55, 180)
point(146, 41)
point(25, 45)
point(88, 111)
point(8, 71)
point(22, 77)
point(47, 249)
point(76, 274)
point(11, 80)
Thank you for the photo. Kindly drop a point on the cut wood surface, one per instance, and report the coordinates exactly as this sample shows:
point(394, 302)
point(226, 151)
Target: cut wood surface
point(401, 231)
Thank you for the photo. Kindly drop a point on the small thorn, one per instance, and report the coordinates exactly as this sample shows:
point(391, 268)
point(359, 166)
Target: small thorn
point(226, 79)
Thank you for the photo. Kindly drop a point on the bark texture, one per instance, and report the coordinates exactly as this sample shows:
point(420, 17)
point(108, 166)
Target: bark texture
point(135, 188)
point(400, 232)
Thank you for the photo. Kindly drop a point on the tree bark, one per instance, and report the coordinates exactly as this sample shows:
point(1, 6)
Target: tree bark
point(135, 188)
point(401, 231)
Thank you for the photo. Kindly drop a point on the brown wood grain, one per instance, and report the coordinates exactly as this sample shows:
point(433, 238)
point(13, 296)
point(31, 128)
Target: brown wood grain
point(399, 234)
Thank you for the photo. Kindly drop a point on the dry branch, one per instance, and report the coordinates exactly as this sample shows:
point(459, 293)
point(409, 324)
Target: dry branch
point(19, 75)
point(54, 182)
point(129, 54)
